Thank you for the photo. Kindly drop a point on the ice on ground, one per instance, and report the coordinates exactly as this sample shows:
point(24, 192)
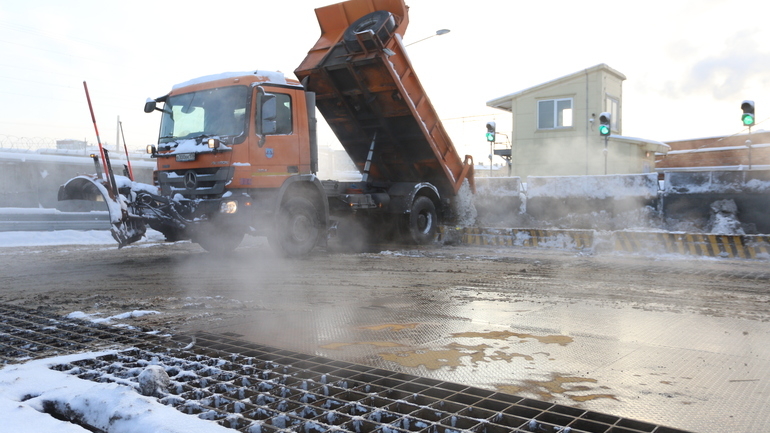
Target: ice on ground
point(153, 381)
point(94, 317)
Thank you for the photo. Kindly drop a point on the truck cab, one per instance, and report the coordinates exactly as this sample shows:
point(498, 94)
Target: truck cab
point(229, 148)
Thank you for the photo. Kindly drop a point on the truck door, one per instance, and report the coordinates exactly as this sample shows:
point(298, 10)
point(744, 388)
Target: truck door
point(277, 154)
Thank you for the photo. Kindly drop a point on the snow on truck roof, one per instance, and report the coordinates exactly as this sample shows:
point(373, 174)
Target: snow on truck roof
point(273, 77)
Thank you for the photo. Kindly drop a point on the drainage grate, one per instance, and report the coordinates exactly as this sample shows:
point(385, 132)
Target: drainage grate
point(28, 334)
point(258, 389)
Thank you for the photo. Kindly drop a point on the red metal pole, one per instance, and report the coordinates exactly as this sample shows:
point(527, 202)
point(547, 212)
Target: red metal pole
point(99, 140)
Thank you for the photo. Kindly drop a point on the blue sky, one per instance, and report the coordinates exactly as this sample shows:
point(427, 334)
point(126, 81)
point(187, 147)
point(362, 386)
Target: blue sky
point(688, 64)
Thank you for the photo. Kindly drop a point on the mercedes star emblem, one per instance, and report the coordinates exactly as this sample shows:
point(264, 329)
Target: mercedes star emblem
point(190, 180)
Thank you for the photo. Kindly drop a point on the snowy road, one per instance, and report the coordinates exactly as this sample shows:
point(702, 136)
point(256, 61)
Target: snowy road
point(669, 340)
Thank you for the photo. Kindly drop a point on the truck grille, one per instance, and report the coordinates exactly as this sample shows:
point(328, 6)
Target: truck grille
point(195, 182)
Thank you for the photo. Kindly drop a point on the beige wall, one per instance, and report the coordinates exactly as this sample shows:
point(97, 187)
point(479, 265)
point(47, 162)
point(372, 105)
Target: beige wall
point(575, 150)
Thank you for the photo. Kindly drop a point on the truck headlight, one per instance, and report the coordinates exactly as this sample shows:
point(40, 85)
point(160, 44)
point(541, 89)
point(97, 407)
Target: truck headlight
point(229, 206)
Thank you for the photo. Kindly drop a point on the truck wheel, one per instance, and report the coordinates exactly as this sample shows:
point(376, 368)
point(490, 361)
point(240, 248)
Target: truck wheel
point(298, 228)
point(423, 221)
point(221, 240)
point(172, 234)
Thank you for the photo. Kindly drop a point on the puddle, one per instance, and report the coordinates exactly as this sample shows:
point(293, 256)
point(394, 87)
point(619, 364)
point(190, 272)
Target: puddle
point(561, 340)
point(562, 385)
point(338, 346)
point(502, 356)
point(435, 359)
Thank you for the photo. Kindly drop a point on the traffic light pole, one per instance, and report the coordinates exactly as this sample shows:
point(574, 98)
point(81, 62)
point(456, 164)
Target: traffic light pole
point(748, 143)
point(491, 155)
point(747, 118)
point(606, 139)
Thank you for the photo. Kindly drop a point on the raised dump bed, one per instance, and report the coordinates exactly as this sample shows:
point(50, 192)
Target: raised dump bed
point(368, 92)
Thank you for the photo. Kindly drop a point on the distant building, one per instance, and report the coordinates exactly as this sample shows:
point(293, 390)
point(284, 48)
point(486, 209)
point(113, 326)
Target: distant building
point(71, 144)
point(735, 152)
point(555, 128)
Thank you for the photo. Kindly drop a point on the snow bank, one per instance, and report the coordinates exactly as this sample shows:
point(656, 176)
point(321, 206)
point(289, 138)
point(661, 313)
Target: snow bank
point(30, 391)
point(69, 237)
point(594, 187)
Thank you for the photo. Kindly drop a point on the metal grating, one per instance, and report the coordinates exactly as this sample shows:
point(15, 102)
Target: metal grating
point(258, 389)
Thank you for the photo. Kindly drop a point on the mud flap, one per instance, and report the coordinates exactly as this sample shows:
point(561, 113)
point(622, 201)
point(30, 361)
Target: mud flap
point(125, 227)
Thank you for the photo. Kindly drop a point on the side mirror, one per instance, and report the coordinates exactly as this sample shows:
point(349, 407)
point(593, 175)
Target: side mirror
point(149, 106)
point(151, 150)
point(267, 112)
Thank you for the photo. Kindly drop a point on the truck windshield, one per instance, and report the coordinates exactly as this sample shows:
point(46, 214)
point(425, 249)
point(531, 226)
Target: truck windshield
point(217, 112)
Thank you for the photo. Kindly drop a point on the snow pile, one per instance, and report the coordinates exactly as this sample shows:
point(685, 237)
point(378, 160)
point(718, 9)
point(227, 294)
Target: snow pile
point(31, 393)
point(94, 317)
point(724, 218)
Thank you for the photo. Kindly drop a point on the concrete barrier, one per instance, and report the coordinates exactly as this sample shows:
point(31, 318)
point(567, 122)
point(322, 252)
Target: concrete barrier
point(543, 238)
point(696, 244)
point(556, 198)
point(653, 243)
point(32, 179)
point(688, 196)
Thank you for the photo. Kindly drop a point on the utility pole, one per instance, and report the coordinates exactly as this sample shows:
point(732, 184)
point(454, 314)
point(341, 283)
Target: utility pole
point(117, 136)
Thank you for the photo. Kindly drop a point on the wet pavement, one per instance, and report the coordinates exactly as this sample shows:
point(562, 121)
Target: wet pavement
point(658, 363)
point(665, 340)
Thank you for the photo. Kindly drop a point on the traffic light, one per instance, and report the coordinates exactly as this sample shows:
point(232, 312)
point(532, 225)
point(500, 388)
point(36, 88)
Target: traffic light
point(748, 113)
point(604, 124)
point(491, 131)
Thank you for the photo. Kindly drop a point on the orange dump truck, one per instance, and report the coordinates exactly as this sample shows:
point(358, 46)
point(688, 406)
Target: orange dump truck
point(237, 152)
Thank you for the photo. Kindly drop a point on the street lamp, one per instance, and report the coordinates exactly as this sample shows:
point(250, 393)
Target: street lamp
point(438, 33)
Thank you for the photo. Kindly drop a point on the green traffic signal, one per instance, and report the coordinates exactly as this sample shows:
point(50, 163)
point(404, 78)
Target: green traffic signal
point(604, 124)
point(491, 127)
point(748, 113)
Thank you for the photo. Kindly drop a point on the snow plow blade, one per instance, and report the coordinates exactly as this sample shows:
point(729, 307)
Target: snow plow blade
point(125, 228)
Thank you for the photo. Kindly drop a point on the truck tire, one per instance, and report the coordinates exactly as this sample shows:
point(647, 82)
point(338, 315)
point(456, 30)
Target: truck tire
point(219, 238)
point(423, 221)
point(169, 232)
point(298, 228)
point(381, 23)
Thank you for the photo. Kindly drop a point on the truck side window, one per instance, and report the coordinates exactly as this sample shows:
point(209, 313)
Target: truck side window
point(283, 119)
